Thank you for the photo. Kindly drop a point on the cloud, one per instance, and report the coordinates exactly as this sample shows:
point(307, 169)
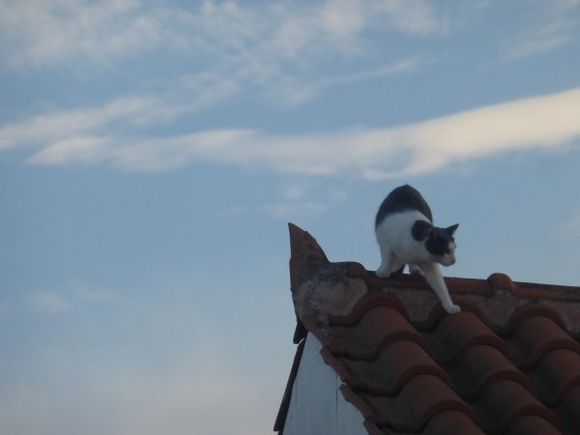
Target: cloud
point(49, 32)
point(45, 32)
point(291, 203)
point(63, 125)
point(540, 40)
point(556, 27)
point(214, 50)
point(542, 122)
point(50, 302)
point(294, 192)
point(296, 92)
point(295, 202)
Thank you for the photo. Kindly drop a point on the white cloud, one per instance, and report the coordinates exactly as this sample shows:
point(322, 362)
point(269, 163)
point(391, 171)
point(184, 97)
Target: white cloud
point(556, 27)
point(228, 48)
point(414, 17)
point(542, 122)
point(294, 192)
point(536, 41)
point(50, 302)
point(44, 32)
point(294, 202)
point(63, 125)
point(292, 92)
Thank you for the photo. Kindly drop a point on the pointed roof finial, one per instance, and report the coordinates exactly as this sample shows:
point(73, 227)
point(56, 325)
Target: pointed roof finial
point(306, 256)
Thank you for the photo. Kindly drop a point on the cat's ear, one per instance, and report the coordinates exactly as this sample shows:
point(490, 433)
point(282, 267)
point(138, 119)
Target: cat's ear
point(450, 230)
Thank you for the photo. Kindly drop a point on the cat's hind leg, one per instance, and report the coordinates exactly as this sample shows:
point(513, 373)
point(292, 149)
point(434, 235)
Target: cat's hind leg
point(435, 279)
point(384, 269)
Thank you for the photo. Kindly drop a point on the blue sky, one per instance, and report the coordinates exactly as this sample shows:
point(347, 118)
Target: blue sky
point(152, 153)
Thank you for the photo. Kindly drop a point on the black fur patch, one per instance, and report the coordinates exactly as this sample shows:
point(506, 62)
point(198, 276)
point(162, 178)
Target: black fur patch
point(401, 199)
point(438, 242)
point(420, 230)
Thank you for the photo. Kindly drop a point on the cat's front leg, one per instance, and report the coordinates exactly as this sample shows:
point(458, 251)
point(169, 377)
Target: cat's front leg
point(415, 270)
point(433, 276)
point(396, 264)
point(384, 269)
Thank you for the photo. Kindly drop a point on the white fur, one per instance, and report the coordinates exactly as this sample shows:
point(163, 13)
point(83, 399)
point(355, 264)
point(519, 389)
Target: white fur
point(398, 247)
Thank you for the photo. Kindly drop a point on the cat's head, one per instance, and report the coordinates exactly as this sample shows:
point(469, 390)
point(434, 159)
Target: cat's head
point(441, 245)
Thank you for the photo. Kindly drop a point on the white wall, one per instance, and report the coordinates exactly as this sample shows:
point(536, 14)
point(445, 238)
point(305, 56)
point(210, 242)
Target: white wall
point(317, 406)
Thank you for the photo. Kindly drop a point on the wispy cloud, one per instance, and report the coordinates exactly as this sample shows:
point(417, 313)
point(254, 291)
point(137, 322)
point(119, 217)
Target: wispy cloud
point(544, 39)
point(542, 122)
point(63, 125)
point(556, 27)
point(291, 91)
point(45, 32)
point(226, 48)
point(50, 302)
point(49, 32)
point(275, 52)
point(291, 203)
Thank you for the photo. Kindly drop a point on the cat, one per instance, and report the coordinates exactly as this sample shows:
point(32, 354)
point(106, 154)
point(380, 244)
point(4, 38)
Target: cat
point(406, 235)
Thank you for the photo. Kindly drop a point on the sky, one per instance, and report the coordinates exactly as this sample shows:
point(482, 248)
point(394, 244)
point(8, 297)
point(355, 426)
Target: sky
point(153, 152)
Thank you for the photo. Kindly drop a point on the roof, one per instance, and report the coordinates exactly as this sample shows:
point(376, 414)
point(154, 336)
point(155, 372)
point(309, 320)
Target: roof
point(508, 363)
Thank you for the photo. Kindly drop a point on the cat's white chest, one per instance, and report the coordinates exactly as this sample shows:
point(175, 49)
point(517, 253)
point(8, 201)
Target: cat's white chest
point(395, 232)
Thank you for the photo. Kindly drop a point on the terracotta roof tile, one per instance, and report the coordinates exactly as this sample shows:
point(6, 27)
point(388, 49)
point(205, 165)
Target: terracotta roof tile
point(480, 367)
point(569, 410)
point(420, 399)
point(509, 363)
point(536, 335)
point(533, 425)
point(504, 402)
point(455, 335)
point(557, 372)
point(396, 364)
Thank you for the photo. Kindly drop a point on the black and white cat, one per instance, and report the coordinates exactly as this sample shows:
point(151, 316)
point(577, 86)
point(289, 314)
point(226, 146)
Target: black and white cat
point(406, 235)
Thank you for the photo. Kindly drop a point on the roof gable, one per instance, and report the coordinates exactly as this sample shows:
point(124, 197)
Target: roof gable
point(509, 362)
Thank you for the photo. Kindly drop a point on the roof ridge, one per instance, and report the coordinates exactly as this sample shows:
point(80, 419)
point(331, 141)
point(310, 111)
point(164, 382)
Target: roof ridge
point(370, 301)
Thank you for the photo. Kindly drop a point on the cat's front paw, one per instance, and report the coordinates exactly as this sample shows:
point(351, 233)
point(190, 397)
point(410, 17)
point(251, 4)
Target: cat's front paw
point(382, 273)
point(414, 270)
point(453, 309)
